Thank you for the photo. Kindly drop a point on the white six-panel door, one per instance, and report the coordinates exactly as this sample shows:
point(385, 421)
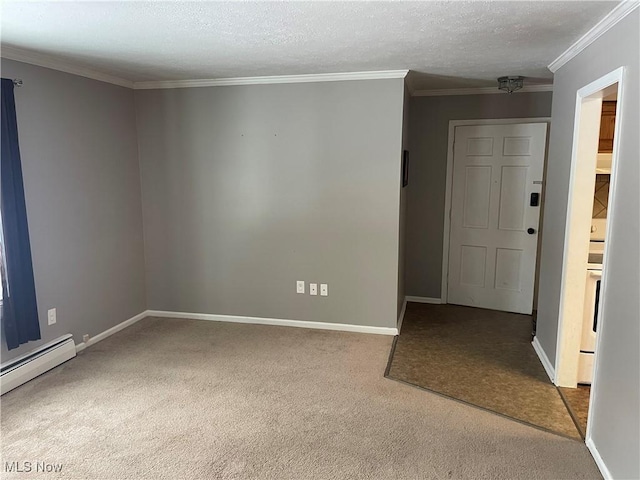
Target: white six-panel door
point(492, 251)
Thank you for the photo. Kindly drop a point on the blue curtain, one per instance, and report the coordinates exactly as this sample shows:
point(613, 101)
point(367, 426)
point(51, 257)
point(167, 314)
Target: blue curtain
point(19, 309)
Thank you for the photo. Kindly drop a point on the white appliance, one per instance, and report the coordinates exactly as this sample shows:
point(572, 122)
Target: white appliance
point(591, 300)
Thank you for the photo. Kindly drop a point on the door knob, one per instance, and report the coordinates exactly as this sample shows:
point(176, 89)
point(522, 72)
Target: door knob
point(531, 231)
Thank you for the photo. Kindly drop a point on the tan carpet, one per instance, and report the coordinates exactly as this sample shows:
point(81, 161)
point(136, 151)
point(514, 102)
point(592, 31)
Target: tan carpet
point(482, 357)
point(184, 399)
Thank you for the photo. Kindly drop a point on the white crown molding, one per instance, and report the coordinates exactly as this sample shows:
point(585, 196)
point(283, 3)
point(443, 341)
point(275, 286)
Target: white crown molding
point(479, 91)
point(623, 9)
point(320, 77)
point(409, 85)
point(42, 60)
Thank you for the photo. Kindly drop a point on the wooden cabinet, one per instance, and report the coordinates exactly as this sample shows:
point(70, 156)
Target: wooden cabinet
point(607, 124)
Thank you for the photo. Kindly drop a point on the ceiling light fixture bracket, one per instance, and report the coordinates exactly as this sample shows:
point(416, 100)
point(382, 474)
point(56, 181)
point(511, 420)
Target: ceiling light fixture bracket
point(510, 83)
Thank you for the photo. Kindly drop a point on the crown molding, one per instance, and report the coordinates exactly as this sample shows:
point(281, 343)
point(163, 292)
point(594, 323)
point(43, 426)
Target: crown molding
point(623, 9)
point(43, 60)
point(479, 91)
point(319, 77)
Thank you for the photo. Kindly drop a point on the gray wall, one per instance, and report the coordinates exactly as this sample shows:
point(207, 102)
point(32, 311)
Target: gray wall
point(247, 189)
point(616, 409)
point(82, 187)
point(429, 130)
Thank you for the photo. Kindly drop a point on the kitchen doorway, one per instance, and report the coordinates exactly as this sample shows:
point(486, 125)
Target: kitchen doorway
point(590, 208)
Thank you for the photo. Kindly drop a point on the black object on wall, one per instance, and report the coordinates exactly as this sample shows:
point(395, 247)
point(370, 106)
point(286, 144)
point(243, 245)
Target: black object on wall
point(19, 308)
point(405, 168)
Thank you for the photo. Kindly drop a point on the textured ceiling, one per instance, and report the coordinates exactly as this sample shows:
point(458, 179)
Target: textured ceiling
point(447, 44)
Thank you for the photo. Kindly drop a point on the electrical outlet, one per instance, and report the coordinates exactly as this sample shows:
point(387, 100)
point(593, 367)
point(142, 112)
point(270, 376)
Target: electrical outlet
point(51, 316)
point(300, 286)
point(85, 337)
point(324, 290)
point(313, 289)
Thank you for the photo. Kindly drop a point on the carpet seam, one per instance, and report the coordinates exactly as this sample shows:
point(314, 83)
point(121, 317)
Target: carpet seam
point(484, 409)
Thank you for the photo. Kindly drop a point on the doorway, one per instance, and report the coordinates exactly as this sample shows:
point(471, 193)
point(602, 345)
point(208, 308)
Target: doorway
point(493, 201)
point(589, 210)
point(483, 356)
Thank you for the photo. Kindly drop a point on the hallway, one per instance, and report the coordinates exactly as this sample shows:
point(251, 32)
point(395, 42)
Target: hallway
point(481, 357)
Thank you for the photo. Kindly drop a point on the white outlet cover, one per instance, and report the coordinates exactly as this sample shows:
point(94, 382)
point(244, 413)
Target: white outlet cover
point(300, 286)
point(324, 289)
point(313, 289)
point(51, 316)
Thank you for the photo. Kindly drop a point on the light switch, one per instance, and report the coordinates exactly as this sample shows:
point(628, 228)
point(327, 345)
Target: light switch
point(324, 290)
point(300, 286)
point(313, 289)
point(51, 316)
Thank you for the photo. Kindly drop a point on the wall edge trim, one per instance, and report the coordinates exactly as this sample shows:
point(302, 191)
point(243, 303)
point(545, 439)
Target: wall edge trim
point(598, 459)
point(342, 327)
point(402, 313)
point(272, 79)
point(107, 333)
point(479, 91)
point(54, 63)
point(542, 356)
point(431, 300)
point(623, 9)
point(51, 61)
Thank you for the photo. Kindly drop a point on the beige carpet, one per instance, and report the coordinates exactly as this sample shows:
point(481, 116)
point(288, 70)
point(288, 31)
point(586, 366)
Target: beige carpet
point(482, 357)
point(184, 399)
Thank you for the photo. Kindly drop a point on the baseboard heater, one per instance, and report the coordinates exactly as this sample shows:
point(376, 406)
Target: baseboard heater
point(20, 370)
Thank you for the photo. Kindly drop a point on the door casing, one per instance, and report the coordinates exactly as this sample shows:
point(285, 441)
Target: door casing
point(583, 164)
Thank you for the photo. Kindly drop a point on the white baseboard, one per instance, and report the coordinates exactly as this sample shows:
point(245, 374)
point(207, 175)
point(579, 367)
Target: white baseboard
point(236, 319)
point(606, 474)
point(401, 316)
point(111, 331)
point(434, 301)
point(548, 366)
point(343, 327)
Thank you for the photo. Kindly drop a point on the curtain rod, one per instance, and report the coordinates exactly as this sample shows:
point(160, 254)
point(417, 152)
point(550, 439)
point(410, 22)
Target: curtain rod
point(17, 82)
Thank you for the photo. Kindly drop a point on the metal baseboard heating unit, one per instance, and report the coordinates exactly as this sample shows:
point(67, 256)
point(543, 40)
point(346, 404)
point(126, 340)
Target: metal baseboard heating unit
point(20, 370)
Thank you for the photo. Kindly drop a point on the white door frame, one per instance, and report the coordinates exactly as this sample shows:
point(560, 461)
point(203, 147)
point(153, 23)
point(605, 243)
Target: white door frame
point(449, 182)
point(577, 235)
